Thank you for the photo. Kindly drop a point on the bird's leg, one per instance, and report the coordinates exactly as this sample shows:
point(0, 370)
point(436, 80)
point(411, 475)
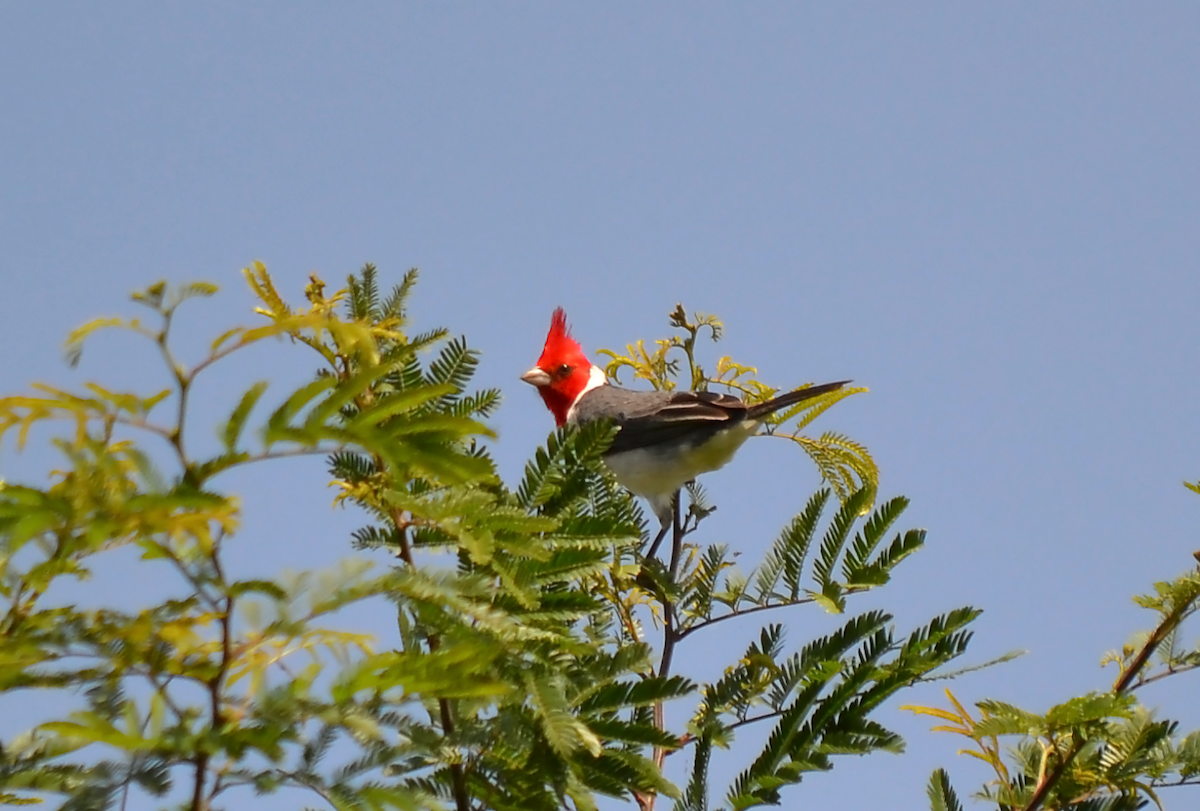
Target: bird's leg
point(665, 524)
point(658, 539)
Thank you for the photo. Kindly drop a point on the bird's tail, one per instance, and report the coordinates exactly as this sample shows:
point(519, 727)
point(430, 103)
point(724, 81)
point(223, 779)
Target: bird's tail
point(791, 398)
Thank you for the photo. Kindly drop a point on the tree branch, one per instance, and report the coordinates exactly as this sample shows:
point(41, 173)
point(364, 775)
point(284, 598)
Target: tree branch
point(1164, 629)
point(217, 683)
point(683, 634)
point(670, 639)
point(458, 779)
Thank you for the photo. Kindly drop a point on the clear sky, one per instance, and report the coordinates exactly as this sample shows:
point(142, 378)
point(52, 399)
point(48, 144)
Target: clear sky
point(987, 213)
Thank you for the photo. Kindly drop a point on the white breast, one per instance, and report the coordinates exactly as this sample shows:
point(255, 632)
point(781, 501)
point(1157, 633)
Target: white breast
point(656, 473)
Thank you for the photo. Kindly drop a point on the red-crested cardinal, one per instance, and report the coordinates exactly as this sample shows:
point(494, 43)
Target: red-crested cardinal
point(666, 439)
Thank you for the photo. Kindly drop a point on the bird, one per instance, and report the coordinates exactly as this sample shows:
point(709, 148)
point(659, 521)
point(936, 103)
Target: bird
point(665, 439)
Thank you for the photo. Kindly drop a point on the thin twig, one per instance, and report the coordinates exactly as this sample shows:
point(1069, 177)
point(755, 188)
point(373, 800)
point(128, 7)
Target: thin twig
point(747, 612)
point(175, 437)
point(402, 524)
point(217, 683)
point(687, 739)
point(670, 636)
point(677, 533)
point(1173, 671)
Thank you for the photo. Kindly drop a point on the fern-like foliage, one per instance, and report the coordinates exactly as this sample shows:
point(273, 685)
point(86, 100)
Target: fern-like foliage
point(819, 699)
point(512, 647)
point(1101, 750)
point(941, 794)
point(532, 656)
point(714, 589)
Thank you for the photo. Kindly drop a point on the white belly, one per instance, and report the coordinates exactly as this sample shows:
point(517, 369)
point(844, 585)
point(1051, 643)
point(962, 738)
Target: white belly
point(655, 474)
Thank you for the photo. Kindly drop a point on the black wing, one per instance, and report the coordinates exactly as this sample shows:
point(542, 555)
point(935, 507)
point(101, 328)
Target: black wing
point(691, 416)
point(648, 419)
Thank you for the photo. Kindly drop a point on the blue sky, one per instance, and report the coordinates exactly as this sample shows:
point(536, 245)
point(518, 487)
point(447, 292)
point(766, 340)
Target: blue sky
point(988, 214)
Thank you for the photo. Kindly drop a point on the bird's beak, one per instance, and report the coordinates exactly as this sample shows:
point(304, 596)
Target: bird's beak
point(536, 377)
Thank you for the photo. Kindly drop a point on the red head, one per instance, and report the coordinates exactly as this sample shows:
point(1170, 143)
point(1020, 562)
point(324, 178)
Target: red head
point(563, 372)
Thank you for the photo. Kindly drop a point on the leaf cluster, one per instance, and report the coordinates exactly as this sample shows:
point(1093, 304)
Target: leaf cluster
point(532, 653)
point(501, 684)
point(1102, 750)
point(820, 698)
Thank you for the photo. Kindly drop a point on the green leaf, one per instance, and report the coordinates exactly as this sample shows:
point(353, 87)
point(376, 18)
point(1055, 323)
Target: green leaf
point(279, 424)
point(363, 302)
point(237, 420)
point(836, 536)
point(201, 473)
point(73, 349)
point(870, 536)
point(831, 598)
point(352, 389)
point(789, 552)
point(194, 289)
point(614, 729)
point(563, 731)
point(941, 793)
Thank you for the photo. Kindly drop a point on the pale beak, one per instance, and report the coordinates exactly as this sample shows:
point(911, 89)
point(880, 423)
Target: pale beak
point(536, 377)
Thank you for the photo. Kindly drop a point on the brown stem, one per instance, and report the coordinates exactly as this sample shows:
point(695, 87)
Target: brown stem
point(1169, 624)
point(1170, 671)
point(658, 539)
point(754, 610)
point(1047, 783)
point(670, 639)
point(216, 683)
point(198, 803)
point(402, 525)
point(458, 779)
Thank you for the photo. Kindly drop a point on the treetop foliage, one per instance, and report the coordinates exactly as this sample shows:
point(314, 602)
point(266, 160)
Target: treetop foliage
point(534, 644)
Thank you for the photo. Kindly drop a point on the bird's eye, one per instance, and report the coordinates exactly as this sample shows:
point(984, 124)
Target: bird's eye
point(564, 369)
